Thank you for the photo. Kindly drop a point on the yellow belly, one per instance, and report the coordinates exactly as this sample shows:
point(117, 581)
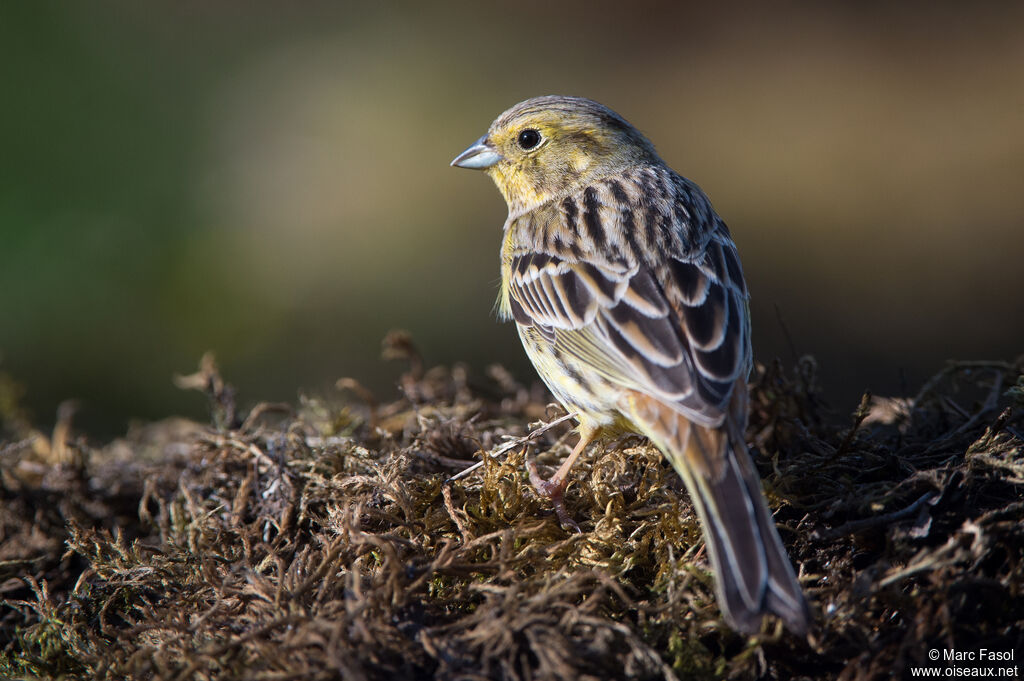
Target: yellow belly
point(577, 386)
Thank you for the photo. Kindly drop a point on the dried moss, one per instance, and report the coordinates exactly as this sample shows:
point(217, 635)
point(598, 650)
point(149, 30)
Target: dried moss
point(323, 541)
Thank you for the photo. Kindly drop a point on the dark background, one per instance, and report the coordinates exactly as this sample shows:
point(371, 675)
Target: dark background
point(272, 183)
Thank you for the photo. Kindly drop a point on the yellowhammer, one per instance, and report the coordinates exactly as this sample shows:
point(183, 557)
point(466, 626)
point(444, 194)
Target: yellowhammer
point(628, 295)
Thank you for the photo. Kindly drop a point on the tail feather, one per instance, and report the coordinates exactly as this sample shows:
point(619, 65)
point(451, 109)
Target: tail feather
point(753, 574)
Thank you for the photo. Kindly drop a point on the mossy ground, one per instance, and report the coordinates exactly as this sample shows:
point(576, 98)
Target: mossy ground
point(322, 541)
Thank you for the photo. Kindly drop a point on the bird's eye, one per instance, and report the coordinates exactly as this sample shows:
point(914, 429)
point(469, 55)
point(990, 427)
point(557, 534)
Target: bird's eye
point(528, 139)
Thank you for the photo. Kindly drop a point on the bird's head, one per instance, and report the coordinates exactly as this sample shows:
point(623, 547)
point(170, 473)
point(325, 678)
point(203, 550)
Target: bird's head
point(548, 147)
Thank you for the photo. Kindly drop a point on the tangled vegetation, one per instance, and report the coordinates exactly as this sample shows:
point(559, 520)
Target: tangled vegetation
point(327, 540)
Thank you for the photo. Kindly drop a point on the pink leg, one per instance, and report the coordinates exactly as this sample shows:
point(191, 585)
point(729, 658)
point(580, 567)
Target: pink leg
point(554, 488)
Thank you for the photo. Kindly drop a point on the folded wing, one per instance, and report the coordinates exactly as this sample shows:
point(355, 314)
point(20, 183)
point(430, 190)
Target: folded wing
point(677, 331)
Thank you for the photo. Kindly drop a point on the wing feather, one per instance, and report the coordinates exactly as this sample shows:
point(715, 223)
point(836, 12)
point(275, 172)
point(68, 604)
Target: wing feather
point(677, 330)
point(635, 340)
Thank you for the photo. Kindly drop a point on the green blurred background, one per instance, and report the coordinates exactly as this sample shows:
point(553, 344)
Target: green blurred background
point(272, 182)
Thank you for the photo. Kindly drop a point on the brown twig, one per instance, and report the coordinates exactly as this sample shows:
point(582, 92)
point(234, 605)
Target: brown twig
point(855, 526)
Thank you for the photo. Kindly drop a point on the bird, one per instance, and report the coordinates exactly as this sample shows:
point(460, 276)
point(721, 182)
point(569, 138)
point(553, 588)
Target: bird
point(628, 295)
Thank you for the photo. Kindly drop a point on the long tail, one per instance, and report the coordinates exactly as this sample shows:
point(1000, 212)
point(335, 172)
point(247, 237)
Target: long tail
point(754, 576)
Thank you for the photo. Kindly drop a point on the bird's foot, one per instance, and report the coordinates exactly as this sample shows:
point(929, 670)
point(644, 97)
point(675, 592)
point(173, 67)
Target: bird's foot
point(553, 489)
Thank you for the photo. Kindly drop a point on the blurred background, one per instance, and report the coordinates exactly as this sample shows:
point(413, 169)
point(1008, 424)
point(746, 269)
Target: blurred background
point(272, 183)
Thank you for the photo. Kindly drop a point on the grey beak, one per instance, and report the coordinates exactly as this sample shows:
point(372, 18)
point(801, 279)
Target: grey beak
point(479, 156)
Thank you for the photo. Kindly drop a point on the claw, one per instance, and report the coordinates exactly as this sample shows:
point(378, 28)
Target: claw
point(554, 490)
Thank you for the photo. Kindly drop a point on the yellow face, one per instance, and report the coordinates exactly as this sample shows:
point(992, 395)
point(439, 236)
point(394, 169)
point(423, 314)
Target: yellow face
point(548, 147)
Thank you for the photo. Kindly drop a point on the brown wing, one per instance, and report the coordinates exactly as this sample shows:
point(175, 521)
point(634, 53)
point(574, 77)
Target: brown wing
point(677, 330)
